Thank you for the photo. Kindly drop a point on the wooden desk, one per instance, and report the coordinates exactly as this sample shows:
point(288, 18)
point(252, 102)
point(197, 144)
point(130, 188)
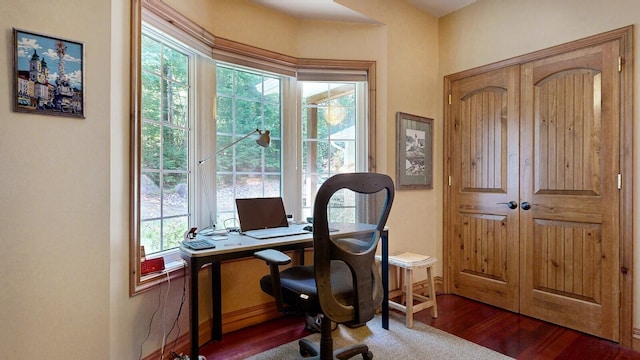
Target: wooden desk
point(240, 246)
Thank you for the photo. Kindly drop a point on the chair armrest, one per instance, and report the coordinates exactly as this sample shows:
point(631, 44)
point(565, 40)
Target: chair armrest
point(273, 257)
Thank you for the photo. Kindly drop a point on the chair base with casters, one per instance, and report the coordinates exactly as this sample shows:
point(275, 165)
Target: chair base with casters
point(308, 348)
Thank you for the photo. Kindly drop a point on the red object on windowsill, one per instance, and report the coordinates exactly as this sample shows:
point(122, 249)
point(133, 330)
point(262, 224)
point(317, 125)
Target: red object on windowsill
point(151, 265)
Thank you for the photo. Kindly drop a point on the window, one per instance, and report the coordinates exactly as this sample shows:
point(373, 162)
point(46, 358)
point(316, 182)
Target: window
point(191, 96)
point(164, 172)
point(331, 121)
point(246, 101)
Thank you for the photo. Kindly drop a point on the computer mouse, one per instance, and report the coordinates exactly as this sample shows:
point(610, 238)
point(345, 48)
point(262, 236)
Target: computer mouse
point(308, 228)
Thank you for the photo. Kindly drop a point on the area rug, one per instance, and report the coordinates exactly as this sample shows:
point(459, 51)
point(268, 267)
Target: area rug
point(422, 342)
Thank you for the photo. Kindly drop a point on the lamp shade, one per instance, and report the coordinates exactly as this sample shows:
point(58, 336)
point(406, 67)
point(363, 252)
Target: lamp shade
point(264, 139)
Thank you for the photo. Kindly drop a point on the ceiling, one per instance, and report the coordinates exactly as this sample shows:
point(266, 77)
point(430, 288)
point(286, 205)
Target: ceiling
point(330, 10)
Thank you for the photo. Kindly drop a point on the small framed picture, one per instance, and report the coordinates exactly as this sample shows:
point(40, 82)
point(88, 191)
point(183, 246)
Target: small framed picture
point(48, 75)
point(414, 152)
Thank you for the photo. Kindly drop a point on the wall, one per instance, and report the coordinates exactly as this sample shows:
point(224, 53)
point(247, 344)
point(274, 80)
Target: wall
point(64, 183)
point(54, 196)
point(493, 30)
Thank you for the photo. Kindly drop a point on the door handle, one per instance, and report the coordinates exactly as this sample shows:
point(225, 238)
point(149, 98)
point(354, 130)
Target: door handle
point(511, 204)
point(525, 205)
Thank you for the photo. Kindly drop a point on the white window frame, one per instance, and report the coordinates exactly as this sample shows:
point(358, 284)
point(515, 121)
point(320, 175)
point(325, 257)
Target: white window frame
point(286, 135)
point(166, 39)
point(201, 80)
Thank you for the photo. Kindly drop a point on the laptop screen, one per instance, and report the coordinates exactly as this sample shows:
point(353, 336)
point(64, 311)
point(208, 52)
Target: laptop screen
point(261, 213)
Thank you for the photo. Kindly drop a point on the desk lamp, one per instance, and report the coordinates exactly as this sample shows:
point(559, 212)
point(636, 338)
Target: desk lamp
point(264, 139)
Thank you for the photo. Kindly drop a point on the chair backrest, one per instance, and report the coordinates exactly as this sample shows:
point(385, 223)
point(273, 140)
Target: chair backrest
point(357, 253)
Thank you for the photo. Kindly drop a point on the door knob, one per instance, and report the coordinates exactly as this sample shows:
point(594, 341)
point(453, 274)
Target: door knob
point(511, 204)
point(525, 205)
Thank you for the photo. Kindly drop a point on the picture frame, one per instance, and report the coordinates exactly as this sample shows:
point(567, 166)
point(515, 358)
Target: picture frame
point(414, 152)
point(48, 75)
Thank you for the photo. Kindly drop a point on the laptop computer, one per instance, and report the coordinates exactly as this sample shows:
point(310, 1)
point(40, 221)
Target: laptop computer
point(264, 218)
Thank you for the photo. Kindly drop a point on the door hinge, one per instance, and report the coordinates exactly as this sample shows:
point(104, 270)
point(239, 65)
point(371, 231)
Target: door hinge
point(619, 181)
point(449, 99)
point(449, 180)
point(619, 63)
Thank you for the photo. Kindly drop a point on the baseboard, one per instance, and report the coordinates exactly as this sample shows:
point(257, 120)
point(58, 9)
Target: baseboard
point(243, 318)
point(635, 341)
point(231, 321)
point(438, 282)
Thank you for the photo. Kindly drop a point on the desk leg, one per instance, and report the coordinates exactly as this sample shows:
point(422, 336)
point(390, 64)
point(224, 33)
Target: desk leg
point(216, 302)
point(193, 309)
point(385, 280)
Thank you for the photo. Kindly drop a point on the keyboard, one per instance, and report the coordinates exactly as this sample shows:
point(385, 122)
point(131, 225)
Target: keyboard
point(275, 232)
point(199, 244)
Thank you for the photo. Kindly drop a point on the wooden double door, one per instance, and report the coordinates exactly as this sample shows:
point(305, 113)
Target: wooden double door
point(533, 157)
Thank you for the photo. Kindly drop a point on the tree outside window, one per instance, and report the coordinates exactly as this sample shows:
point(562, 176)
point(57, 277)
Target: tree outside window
point(246, 101)
point(164, 181)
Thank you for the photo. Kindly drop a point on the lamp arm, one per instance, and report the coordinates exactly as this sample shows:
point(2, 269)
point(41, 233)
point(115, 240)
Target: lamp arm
point(263, 141)
point(228, 146)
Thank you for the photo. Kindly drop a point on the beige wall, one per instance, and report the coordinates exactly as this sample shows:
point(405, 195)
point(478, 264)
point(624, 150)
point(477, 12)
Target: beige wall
point(54, 197)
point(130, 318)
point(493, 30)
point(64, 183)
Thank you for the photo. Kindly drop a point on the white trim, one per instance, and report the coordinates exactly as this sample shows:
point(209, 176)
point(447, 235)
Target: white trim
point(291, 150)
point(362, 126)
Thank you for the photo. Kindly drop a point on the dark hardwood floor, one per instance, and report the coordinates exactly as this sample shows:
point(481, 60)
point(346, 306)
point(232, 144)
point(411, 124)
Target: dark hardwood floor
point(511, 334)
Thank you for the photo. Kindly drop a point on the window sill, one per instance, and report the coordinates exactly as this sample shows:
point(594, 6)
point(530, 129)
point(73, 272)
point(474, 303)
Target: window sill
point(175, 268)
point(169, 267)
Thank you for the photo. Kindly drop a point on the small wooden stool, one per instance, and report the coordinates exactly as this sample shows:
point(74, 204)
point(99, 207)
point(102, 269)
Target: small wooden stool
point(409, 262)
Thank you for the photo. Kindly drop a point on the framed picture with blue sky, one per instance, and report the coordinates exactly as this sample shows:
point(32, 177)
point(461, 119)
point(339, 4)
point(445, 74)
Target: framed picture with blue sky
point(48, 75)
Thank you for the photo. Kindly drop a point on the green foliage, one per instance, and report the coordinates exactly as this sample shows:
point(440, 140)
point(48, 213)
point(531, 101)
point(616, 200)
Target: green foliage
point(170, 230)
point(246, 101)
point(175, 149)
point(164, 145)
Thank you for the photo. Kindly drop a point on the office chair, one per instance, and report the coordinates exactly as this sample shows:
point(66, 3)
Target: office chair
point(344, 283)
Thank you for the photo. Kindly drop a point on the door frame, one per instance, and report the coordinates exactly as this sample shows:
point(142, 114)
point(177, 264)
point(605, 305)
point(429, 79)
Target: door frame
point(625, 37)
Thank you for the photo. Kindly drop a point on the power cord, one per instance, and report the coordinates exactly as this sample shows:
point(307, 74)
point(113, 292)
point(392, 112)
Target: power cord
point(164, 316)
point(182, 301)
point(234, 227)
point(175, 325)
point(150, 322)
point(174, 356)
